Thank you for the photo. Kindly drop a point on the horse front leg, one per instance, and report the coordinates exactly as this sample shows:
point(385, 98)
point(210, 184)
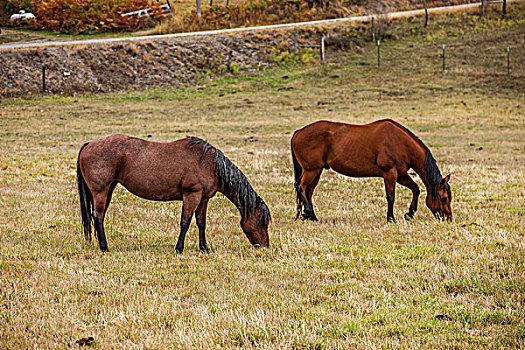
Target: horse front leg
point(200, 218)
point(407, 181)
point(190, 201)
point(390, 178)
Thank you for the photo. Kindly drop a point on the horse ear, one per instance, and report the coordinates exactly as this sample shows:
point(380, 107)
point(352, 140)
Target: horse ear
point(447, 178)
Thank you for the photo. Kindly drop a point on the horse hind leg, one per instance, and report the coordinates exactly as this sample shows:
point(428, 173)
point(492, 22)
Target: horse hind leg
point(390, 178)
point(309, 181)
point(407, 181)
point(100, 206)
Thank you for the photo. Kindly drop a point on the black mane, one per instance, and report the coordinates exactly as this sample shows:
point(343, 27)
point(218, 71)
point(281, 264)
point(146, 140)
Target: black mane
point(232, 179)
point(434, 177)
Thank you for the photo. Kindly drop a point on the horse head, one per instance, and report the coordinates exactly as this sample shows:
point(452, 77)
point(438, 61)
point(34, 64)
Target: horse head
point(255, 225)
point(439, 204)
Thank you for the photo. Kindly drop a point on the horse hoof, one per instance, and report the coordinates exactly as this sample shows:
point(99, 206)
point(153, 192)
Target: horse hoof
point(179, 251)
point(204, 250)
point(408, 217)
point(391, 220)
point(310, 217)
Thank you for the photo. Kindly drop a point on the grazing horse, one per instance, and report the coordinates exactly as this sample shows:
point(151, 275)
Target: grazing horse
point(189, 169)
point(383, 148)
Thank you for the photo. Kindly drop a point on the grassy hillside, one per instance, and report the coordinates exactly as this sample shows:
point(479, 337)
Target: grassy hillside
point(348, 281)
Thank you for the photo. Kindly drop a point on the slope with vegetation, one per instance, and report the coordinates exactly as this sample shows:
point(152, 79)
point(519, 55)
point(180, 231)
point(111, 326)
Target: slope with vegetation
point(91, 16)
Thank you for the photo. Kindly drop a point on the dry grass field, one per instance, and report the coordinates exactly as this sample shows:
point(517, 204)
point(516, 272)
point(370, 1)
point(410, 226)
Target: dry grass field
point(348, 281)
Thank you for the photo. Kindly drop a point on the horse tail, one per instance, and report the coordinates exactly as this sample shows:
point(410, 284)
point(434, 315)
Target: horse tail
point(298, 172)
point(86, 199)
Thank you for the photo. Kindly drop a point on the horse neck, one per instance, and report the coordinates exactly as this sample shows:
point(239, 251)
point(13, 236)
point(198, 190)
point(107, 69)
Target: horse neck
point(241, 200)
point(233, 197)
point(418, 163)
point(430, 175)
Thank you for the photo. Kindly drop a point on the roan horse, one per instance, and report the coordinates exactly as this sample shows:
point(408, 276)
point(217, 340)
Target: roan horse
point(189, 169)
point(383, 148)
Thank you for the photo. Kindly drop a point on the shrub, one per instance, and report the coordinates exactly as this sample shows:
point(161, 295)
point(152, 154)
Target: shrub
point(84, 16)
point(253, 13)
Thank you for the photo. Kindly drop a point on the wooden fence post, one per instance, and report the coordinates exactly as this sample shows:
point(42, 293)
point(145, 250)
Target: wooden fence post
point(443, 57)
point(135, 72)
point(482, 8)
point(43, 77)
point(296, 44)
point(373, 30)
point(322, 48)
point(504, 8)
point(426, 17)
point(229, 65)
point(198, 7)
point(508, 61)
point(378, 55)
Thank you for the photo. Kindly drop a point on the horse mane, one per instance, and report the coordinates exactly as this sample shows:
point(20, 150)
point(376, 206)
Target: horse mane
point(433, 174)
point(432, 171)
point(232, 179)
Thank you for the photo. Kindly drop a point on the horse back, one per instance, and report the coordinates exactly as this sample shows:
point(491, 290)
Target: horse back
point(354, 150)
point(151, 170)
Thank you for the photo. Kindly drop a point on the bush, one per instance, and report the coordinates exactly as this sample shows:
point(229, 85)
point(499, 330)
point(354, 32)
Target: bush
point(84, 16)
point(253, 13)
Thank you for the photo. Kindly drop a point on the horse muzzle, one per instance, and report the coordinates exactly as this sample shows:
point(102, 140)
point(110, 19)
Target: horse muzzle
point(442, 217)
point(257, 245)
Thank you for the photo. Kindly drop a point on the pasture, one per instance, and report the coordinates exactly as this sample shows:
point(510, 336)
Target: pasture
point(351, 280)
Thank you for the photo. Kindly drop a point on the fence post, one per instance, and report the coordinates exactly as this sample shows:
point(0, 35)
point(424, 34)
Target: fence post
point(504, 7)
point(135, 73)
point(378, 55)
point(296, 44)
point(198, 7)
point(227, 3)
point(373, 30)
point(43, 77)
point(443, 57)
point(229, 65)
point(322, 48)
point(508, 61)
point(482, 8)
point(426, 17)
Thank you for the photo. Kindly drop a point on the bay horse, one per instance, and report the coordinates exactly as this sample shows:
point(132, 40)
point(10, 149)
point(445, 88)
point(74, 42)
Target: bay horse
point(383, 148)
point(189, 169)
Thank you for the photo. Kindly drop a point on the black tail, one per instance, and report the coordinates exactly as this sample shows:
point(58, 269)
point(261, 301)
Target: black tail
point(86, 200)
point(298, 172)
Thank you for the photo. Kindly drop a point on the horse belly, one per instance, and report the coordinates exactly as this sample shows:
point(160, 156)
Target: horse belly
point(356, 170)
point(153, 184)
point(354, 164)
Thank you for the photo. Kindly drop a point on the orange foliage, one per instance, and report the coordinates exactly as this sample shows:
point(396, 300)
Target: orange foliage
point(85, 16)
